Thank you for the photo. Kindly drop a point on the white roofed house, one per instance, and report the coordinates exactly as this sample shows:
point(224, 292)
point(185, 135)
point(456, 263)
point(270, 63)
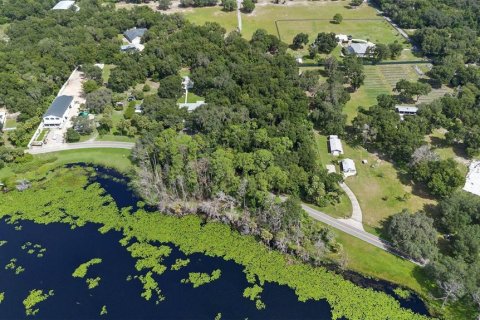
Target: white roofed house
point(66, 5)
point(406, 110)
point(348, 167)
point(472, 183)
point(57, 114)
point(335, 145)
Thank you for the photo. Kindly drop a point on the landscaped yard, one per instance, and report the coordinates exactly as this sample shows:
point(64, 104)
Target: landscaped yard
point(377, 185)
point(191, 98)
point(42, 135)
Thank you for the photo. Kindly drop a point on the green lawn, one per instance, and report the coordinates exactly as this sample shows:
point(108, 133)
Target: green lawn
point(192, 98)
point(377, 185)
point(113, 135)
point(113, 158)
point(437, 141)
point(264, 17)
point(153, 87)
point(10, 123)
point(372, 261)
point(42, 135)
point(107, 69)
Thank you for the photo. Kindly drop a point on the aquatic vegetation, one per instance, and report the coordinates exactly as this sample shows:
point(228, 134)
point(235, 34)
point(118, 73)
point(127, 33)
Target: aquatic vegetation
point(36, 249)
point(2, 297)
point(150, 286)
point(12, 265)
point(253, 293)
point(3, 242)
point(103, 311)
point(35, 297)
point(93, 282)
point(66, 196)
point(180, 263)
point(198, 279)
point(82, 269)
point(402, 293)
point(218, 316)
point(149, 256)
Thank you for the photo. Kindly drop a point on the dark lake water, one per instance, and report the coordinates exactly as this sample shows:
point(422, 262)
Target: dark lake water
point(67, 249)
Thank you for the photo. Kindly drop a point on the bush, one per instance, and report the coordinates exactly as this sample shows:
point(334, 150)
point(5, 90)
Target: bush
point(229, 5)
point(248, 6)
point(146, 88)
point(72, 135)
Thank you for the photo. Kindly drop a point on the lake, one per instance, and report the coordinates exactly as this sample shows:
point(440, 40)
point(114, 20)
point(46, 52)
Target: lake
point(66, 249)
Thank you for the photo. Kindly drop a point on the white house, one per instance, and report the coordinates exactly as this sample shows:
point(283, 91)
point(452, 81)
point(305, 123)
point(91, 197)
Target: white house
point(472, 183)
point(341, 38)
point(65, 5)
point(348, 167)
point(335, 145)
point(406, 110)
point(57, 113)
point(359, 49)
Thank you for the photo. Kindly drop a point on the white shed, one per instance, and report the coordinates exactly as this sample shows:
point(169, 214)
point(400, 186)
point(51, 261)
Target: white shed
point(335, 145)
point(348, 167)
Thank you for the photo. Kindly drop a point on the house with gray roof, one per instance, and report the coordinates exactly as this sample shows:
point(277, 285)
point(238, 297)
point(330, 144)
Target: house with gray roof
point(57, 113)
point(359, 49)
point(134, 35)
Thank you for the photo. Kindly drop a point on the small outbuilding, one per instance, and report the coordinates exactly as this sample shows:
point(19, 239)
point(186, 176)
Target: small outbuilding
point(335, 145)
point(57, 113)
point(138, 108)
point(348, 167)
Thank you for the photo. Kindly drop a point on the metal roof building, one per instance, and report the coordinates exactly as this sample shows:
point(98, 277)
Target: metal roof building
point(348, 167)
point(472, 183)
point(59, 106)
point(359, 49)
point(64, 5)
point(406, 109)
point(335, 145)
point(132, 34)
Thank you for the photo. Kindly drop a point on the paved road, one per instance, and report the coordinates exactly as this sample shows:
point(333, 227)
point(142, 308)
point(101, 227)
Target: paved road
point(81, 145)
point(362, 235)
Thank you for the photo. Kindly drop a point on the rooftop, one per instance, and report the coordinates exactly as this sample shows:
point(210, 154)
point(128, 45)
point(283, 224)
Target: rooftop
point(406, 109)
point(64, 5)
point(59, 106)
point(472, 183)
point(348, 165)
point(132, 34)
point(359, 48)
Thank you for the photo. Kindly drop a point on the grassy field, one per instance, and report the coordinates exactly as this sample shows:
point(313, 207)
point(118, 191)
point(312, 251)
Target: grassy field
point(378, 185)
point(42, 135)
point(265, 15)
point(153, 87)
point(372, 261)
point(113, 158)
point(113, 135)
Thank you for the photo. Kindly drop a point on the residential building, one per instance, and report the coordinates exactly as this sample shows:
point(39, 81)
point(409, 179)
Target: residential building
point(359, 49)
point(342, 38)
point(133, 37)
point(406, 110)
point(65, 5)
point(472, 183)
point(348, 167)
point(57, 113)
point(335, 145)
